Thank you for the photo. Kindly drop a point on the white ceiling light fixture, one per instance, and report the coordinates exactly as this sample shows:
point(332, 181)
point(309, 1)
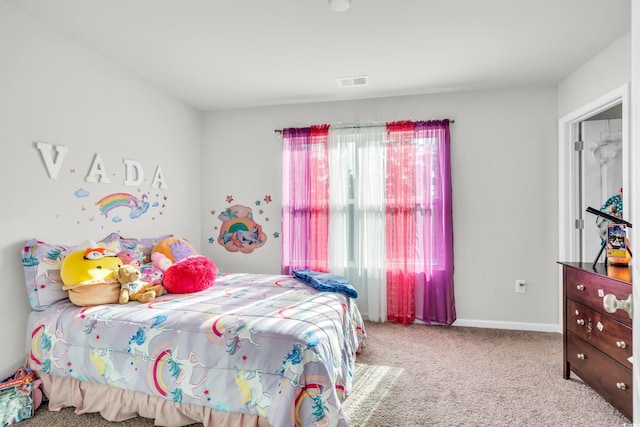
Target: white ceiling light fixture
point(339, 5)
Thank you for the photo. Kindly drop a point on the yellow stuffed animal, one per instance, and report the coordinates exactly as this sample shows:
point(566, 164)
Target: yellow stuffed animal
point(89, 276)
point(134, 289)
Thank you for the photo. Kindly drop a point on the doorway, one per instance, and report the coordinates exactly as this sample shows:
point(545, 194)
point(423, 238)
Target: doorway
point(593, 172)
point(599, 185)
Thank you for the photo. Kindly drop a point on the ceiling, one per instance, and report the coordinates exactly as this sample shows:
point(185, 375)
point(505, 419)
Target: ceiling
point(226, 54)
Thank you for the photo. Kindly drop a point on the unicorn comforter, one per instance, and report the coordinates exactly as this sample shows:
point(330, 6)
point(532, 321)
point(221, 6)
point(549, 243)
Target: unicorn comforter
point(253, 344)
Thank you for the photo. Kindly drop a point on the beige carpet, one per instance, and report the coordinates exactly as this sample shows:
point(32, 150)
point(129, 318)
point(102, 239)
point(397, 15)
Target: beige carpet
point(371, 384)
point(437, 376)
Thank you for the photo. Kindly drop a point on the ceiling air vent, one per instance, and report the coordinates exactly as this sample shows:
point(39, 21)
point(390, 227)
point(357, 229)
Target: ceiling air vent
point(353, 81)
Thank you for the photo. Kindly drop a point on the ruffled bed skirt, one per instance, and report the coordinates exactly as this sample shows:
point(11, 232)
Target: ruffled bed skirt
point(116, 404)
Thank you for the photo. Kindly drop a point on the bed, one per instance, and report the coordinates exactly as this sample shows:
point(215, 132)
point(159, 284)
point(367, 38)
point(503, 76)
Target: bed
point(251, 350)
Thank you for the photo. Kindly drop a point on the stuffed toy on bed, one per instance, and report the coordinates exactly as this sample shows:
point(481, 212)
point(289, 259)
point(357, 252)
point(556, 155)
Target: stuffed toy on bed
point(184, 271)
point(130, 257)
point(89, 276)
point(192, 274)
point(134, 289)
point(174, 248)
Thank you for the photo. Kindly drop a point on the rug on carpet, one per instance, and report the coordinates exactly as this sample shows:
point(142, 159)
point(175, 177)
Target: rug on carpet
point(370, 386)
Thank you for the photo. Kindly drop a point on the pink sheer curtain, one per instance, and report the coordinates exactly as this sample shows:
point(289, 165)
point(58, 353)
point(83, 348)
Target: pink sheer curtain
point(400, 222)
point(305, 194)
point(319, 216)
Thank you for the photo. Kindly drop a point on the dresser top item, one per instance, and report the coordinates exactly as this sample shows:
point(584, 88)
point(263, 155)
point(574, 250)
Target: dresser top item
point(616, 272)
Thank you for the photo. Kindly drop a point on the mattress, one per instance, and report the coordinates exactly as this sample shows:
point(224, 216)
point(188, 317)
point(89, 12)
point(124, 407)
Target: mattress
point(255, 344)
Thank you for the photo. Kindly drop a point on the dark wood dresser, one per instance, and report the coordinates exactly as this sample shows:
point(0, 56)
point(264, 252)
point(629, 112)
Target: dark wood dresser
point(597, 344)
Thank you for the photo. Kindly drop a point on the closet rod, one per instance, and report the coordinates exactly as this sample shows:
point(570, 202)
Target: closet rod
point(357, 126)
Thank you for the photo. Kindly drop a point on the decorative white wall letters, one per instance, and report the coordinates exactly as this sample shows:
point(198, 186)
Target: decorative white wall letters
point(132, 168)
point(97, 168)
point(158, 179)
point(52, 165)
point(133, 171)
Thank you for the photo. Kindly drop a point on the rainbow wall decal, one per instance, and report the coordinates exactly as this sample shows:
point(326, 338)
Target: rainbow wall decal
point(116, 200)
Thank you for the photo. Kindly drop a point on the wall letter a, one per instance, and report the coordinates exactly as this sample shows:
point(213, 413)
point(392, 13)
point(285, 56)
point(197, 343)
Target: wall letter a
point(97, 169)
point(46, 152)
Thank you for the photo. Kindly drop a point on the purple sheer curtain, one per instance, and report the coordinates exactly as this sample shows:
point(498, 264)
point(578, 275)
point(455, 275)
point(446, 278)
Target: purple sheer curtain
point(305, 199)
point(296, 196)
point(436, 224)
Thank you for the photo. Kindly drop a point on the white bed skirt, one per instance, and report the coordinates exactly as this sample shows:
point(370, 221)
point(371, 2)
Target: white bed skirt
point(116, 404)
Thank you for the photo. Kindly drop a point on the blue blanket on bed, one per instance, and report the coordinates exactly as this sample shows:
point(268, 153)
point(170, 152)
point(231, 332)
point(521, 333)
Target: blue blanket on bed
point(326, 282)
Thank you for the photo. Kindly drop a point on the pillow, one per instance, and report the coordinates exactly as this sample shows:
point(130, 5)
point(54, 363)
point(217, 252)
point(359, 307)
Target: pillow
point(192, 274)
point(143, 245)
point(175, 248)
point(41, 262)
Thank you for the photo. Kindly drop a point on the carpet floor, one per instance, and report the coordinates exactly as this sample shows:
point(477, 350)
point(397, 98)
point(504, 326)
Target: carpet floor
point(420, 375)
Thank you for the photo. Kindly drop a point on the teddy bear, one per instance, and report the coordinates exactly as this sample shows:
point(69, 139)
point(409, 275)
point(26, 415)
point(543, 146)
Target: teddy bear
point(134, 289)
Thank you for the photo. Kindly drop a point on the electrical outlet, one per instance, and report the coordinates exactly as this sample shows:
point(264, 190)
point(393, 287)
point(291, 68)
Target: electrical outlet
point(521, 286)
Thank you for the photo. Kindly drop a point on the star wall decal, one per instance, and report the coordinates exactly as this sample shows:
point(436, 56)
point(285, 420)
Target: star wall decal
point(229, 199)
point(267, 199)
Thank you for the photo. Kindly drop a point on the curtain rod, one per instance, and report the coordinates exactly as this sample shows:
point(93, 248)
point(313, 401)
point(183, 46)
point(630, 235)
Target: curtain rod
point(370, 125)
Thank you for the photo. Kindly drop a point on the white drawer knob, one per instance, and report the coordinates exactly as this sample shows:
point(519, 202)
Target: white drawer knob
point(621, 386)
point(580, 287)
point(621, 344)
point(581, 356)
point(611, 304)
point(580, 322)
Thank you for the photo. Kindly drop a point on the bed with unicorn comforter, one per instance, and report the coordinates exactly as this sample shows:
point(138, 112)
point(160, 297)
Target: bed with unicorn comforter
point(250, 350)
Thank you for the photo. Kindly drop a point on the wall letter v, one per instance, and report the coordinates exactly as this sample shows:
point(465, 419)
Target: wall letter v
point(53, 166)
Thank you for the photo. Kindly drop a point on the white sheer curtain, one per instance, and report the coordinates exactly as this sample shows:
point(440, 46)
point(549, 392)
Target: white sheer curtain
point(357, 206)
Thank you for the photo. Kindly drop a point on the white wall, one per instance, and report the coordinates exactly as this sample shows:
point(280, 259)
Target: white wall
point(603, 73)
point(53, 90)
point(504, 163)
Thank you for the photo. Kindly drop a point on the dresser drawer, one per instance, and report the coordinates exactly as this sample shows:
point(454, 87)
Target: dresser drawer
point(590, 289)
point(606, 376)
point(604, 333)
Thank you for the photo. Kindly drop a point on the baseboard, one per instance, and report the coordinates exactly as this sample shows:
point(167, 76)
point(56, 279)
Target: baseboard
point(495, 324)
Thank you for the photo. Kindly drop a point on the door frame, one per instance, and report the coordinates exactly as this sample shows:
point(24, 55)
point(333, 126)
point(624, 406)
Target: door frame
point(568, 128)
